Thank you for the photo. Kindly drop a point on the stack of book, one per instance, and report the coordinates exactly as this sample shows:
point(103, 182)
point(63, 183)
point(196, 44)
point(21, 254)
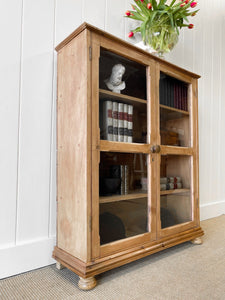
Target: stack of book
point(122, 172)
point(117, 121)
point(170, 183)
point(173, 92)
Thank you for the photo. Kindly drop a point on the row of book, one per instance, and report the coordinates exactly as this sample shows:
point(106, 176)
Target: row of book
point(173, 93)
point(117, 121)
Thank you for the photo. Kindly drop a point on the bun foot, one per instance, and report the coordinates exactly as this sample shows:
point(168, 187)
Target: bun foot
point(59, 266)
point(87, 283)
point(197, 241)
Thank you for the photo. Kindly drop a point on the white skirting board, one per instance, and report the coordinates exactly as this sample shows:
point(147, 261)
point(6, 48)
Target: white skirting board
point(212, 210)
point(26, 257)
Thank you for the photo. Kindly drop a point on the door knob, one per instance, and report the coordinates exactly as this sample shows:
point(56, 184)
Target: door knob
point(155, 149)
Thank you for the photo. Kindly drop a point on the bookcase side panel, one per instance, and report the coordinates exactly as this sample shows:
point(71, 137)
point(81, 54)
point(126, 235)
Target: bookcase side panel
point(73, 150)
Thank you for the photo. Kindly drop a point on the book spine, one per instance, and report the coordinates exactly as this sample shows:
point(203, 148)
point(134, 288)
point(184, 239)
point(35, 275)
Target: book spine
point(162, 91)
point(172, 93)
point(126, 179)
point(125, 122)
point(185, 99)
point(130, 123)
point(107, 121)
point(120, 123)
point(122, 177)
point(179, 96)
point(176, 95)
point(115, 121)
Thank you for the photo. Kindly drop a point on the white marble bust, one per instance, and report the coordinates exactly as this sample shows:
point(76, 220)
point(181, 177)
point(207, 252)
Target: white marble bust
point(114, 82)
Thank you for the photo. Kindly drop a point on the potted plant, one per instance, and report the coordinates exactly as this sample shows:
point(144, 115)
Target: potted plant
point(161, 21)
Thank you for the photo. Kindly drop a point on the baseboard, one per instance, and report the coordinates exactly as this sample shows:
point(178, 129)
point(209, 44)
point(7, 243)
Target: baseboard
point(25, 257)
point(212, 210)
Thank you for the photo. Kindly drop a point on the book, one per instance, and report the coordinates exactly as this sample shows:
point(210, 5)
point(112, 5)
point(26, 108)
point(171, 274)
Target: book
point(125, 122)
point(107, 121)
point(120, 123)
point(185, 98)
point(122, 177)
point(115, 121)
point(126, 179)
point(130, 123)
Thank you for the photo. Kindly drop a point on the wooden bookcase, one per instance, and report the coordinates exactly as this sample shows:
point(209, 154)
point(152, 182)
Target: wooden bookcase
point(106, 219)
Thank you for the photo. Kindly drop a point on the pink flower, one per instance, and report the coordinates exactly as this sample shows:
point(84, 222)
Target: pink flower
point(190, 26)
point(127, 13)
point(142, 1)
point(149, 6)
point(182, 4)
point(130, 34)
point(193, 4)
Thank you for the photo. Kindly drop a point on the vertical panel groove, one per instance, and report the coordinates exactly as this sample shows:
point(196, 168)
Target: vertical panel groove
point(19, 120)
point(106, 13)
point(52, 149)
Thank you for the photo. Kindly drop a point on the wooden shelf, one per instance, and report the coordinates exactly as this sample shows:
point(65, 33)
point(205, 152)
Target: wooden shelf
point(110, 146)
point(176, 191)
point(116, 198)
point(184, 112)
point(120, 97)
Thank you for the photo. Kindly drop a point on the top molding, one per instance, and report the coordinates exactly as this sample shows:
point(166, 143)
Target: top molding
point(92, 28)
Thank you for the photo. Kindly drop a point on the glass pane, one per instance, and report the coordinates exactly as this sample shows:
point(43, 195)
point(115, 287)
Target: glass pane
point(175, 186)
point(174, 112)
point(129, 78)
point(122, 103)
point(123, 195)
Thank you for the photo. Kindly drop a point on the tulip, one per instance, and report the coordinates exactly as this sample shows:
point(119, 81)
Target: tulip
point(182, 4)
point(190, 26)
point(142, 1)
point(193, 4)
point(130, 34)
point(187, 1)
point(149, 6)
point(127, 13)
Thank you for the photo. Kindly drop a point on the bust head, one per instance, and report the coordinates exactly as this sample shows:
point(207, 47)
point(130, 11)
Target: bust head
point(117, 74)
point(114, 82)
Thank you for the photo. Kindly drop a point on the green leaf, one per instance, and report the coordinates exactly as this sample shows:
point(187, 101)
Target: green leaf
point(171, 19)
point(154, 4)
point(154, 13)
point(143, 8)
point(172, 3)
point(162, 2)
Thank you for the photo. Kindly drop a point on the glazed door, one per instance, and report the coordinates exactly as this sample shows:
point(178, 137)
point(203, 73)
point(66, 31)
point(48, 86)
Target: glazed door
point(122, 97)
point(178, 155)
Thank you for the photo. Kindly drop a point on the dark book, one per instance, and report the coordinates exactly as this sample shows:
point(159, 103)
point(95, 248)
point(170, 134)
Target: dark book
point(107, 123)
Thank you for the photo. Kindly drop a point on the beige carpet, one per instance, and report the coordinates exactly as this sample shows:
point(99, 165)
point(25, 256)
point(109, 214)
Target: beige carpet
point(183, 272)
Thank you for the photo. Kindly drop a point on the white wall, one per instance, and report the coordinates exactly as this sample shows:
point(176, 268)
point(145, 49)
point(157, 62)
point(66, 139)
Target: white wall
point(29, 31)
